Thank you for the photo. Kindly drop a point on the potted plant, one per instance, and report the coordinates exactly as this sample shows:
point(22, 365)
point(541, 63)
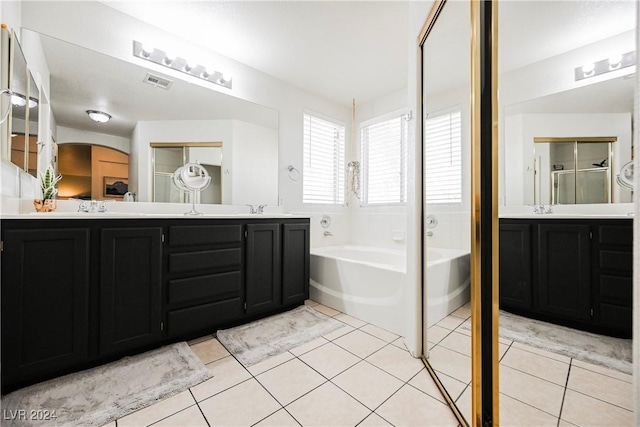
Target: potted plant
point(49, 185)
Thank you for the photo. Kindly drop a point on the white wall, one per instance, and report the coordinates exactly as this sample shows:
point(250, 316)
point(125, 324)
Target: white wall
point(254, 169)
point(67, 135)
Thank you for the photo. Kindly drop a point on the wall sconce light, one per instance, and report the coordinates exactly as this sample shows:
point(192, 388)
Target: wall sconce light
point(98, 116)
point(177, 63)
point(613, 63)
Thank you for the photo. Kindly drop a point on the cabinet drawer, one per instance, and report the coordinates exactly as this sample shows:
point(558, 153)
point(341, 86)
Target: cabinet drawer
point(620, 235)
point(205, 260)
point(616, 288)
point(202, 317)
point(213, 287)
point(615, 260)
point(190, 235)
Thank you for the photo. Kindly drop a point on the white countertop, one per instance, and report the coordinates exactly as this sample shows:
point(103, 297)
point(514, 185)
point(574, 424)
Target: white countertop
point(67, 209)
point(139, 215)
point(567, 216)
point(595, 211)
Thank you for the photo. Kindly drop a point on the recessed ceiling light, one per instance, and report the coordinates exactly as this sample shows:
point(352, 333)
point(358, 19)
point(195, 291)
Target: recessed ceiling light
point(98, 116)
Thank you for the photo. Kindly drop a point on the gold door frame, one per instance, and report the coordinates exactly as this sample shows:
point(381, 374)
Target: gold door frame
point(484, 211)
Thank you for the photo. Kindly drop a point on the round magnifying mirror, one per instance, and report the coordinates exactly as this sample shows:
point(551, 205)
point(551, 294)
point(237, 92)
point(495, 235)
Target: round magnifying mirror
point(191, 177)
point(195, 177)
point(625, 177)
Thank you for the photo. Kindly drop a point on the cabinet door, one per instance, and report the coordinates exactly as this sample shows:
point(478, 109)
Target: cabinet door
point(45, 312)
point(263, 268)
point(564, 271)
point(515, 266)
point(130, 270)
point(295, 263)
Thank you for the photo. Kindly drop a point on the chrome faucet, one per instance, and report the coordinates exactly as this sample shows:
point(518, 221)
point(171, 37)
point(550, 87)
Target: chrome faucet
point(92, 206)
point(327, 233)
point(256, 210)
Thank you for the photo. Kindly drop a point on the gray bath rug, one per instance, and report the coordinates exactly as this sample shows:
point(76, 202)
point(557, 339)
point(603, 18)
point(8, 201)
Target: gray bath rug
point(99, 395)
point(259, 340)
point(612, 353)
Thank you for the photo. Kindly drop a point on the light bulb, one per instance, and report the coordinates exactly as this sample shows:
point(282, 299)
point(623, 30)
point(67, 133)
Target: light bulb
point(615, 61)
point(18, 100)
point(168, 58)
point(588, 69)
point(146, 51)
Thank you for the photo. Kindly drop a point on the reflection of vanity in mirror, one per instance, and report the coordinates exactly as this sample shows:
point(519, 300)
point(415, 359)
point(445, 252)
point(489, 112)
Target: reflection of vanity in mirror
point(184, 114)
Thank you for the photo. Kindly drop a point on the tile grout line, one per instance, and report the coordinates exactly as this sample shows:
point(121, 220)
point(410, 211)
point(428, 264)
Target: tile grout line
point(564, 394)
point(199, 408)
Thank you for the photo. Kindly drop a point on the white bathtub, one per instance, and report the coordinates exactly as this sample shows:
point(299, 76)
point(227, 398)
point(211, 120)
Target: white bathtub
point(364, 282)
point(368, 283)
point(447, 282)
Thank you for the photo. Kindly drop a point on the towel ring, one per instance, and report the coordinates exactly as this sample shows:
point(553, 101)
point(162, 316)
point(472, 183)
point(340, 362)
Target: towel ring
point(294, 174)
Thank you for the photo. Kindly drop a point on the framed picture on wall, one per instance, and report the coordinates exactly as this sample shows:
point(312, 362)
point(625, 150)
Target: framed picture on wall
point(115, 187)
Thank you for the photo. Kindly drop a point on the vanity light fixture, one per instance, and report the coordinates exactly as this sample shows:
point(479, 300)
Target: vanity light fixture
point(20, 100)
point(98, 116)
point(613, 63)
point(161, 57)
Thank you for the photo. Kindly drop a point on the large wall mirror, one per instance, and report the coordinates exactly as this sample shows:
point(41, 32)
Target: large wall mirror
point(143, 113)
point(446, 115)
point(544, 98)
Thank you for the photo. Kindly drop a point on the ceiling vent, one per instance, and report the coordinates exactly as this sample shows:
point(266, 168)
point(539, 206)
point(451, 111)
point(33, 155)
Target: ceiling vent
point(157, 81)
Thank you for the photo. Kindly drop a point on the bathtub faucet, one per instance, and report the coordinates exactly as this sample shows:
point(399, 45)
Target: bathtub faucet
point(327, 234)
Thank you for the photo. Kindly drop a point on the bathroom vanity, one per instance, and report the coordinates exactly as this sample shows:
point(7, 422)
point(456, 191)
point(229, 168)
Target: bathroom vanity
point(85, 290)
point(575, 272)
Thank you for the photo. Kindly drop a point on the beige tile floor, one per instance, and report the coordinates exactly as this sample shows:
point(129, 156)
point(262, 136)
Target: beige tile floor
point(363, 375)
point(537, 388)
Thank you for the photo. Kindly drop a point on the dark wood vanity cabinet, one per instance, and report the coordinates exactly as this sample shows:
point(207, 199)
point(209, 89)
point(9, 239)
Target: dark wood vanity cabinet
point(563, 271)
point(295, 263)
point(45, 301)
point(130, 271)
point(576, 273)
point(515, 266)
point(204, 277)
point(264, 278)
point(78, 293)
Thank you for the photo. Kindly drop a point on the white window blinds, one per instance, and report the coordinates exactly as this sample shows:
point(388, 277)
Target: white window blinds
point(443, 161)
point(384, 157)
point(323, 173)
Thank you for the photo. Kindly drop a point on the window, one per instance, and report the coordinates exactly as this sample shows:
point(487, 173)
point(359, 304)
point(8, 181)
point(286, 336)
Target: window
point(323, 174)
point(384, 157)
point(443, 160)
